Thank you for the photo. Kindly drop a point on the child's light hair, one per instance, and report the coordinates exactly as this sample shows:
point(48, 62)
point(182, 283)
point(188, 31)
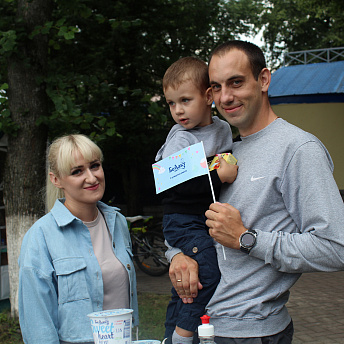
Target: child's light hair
point(187, 69)
point(61, 158)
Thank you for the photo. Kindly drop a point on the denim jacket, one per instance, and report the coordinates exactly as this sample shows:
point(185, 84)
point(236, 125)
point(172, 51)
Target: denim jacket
point(60, 280)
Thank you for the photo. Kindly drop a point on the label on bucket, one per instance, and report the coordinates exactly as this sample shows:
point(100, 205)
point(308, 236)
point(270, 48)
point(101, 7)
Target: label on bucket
point(112, 326)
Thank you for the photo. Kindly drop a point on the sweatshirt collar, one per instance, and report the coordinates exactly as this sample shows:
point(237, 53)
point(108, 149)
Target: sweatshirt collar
point(263, 131)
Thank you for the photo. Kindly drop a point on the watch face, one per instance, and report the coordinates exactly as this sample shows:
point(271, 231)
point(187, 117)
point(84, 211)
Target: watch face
point(247, 240)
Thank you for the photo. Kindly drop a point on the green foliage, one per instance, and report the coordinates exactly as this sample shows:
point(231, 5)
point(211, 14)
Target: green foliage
point(114, 55)
point(101, 51)
point(7, 41)
point(105, 61)
point(295, 25)
point(55, 29)
point(238, 17)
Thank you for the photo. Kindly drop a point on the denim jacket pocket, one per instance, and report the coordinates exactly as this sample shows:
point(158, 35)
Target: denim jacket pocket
point(71, 279)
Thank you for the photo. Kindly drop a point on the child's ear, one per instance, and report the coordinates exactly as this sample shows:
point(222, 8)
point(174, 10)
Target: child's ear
point(209, 96)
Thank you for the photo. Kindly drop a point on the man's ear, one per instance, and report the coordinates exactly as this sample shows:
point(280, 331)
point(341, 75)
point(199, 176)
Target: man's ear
point(209, 96)
point(55, 180)
point(265, 79)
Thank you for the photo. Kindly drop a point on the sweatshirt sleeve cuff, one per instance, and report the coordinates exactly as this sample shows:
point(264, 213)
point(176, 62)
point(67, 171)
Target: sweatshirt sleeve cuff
point(263, 240)
point(171, 251)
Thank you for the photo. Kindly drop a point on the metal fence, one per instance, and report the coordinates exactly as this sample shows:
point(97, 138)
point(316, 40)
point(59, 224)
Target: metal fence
point(313, 56)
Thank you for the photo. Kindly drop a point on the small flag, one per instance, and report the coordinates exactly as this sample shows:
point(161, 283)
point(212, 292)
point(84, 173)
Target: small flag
point(188, 163)
point(181, 166)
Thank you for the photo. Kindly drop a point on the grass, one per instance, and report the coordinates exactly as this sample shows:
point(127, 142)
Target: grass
point(152, 309)
point(9, 329)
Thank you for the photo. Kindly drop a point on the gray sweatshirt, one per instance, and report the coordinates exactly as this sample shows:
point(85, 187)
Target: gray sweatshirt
point(216, 137)
point(285, 191)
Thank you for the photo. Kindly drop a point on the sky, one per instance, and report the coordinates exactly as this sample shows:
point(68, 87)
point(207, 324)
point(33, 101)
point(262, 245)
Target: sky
point(257, 39)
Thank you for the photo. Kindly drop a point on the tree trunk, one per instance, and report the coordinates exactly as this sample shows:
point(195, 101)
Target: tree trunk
point(24, 174)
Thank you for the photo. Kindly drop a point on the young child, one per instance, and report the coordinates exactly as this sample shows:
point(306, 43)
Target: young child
point(188, 94)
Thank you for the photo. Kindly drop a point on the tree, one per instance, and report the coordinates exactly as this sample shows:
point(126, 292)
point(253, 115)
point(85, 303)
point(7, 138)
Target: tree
point(25, 160)
point(162, 36)
point(296, 25)
point(94, 67)
point(82, 66)
point(237, 18)
point(104, 85)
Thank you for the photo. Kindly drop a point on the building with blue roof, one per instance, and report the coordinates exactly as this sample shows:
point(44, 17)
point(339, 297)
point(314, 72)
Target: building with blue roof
point(311, 96)
point(311, 83)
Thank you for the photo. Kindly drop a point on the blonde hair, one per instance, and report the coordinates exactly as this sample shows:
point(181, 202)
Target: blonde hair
point(187, 69)
point(61, 158)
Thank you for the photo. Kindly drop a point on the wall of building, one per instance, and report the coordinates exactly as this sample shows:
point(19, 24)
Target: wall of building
point(325, 121)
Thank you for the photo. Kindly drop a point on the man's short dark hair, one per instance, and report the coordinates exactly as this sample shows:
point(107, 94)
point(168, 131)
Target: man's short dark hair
point(252, 51)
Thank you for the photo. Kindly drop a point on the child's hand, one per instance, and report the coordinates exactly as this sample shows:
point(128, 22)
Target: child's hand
point(227, 172)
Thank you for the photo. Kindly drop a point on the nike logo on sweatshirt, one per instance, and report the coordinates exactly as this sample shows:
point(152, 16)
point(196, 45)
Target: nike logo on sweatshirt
point(256, 178)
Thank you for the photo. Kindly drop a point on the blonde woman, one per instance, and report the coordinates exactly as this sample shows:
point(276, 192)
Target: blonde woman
point(76, 259)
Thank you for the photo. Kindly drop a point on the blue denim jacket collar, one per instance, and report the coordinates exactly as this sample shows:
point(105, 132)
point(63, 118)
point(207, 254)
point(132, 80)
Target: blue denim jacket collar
point(64, 217)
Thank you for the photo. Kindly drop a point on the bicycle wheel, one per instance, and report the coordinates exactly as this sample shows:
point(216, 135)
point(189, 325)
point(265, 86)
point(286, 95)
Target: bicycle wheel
point(149, 253)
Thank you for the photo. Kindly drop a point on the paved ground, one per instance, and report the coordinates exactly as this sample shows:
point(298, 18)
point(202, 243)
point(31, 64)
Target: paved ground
point(316, 305)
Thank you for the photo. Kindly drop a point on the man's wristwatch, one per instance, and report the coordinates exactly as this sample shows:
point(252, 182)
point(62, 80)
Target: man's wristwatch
point(247, 240)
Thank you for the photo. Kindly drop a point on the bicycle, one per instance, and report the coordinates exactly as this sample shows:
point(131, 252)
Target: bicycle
point(148, 245)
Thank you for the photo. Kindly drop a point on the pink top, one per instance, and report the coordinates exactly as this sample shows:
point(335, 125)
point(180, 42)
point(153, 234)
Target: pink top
point(115, 276)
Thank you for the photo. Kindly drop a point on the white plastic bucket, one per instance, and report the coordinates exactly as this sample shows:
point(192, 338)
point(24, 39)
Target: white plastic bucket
point(112, 326)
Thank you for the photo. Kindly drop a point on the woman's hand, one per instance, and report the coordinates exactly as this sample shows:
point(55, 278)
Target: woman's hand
point(184, 277)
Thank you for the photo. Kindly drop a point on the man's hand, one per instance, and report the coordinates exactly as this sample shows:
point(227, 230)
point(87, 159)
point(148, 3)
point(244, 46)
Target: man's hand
point(184, 277)
point(225, 224)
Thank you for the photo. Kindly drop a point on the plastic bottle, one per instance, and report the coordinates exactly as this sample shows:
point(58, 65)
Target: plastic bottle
point(206, 333)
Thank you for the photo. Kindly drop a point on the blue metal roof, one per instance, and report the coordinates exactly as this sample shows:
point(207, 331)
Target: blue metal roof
point(309, 79)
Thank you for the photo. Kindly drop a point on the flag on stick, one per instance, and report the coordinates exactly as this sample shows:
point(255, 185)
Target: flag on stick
point(181, 166)
point(188, 163)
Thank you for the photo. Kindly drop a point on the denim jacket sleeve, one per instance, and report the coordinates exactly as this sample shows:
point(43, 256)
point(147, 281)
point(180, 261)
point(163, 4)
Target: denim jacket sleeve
point(39, 282)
